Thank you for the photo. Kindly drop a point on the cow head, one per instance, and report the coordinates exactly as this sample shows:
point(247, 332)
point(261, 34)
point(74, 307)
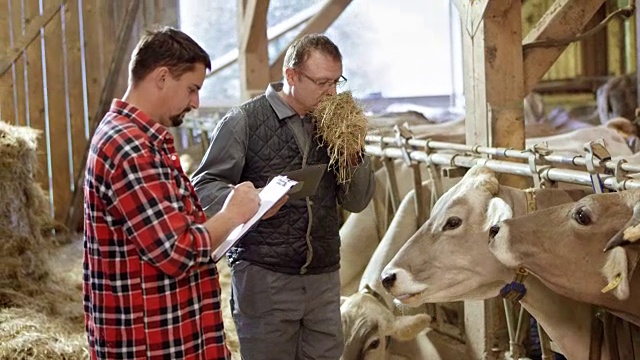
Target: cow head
point(447, 259)
point(369, 326)
point(563, 246)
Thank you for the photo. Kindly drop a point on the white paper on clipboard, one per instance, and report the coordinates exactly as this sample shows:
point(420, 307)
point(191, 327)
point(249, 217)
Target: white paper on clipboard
point(269, 196)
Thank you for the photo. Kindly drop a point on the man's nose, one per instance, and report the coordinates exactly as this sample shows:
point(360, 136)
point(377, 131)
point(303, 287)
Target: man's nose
point(195, 102)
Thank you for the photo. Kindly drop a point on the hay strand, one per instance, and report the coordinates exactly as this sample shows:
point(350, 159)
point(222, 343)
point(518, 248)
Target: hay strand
point(342, 127)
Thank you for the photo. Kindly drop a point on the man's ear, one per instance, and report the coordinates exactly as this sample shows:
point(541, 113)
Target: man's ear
point(498, 210)
point(289, 75)
point(159, 76)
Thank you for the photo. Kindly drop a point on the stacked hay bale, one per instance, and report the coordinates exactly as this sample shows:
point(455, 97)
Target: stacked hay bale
point(41, 313)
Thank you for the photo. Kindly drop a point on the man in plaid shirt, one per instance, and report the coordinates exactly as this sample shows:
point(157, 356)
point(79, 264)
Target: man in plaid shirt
point(150, 286)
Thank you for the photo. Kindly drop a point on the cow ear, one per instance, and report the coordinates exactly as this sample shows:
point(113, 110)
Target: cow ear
point(407, 327)
point(616, 273)
point(498, 210)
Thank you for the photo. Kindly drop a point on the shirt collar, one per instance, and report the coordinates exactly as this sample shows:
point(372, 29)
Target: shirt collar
point(282, 109)
point(157, 132)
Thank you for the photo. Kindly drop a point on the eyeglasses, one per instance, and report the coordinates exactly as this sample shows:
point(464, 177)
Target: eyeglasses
point(325, 83)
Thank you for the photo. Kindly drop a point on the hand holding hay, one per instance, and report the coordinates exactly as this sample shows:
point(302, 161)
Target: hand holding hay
point(342, 126)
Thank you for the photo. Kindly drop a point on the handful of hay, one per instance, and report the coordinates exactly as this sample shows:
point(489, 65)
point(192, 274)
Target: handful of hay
point(342, 126)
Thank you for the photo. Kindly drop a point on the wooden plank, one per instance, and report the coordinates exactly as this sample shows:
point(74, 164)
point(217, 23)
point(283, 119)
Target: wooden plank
point(20, 94)
point(36, 96)
point(7, 106)
point(137, 31)
point(28, 34)
point(565, 18)
point(77, 118)
point(57, 115)
point(253, 48)
point(75, 215)
point(317, 24)
point(107, 34)
point(594, 49)
point(92, 57)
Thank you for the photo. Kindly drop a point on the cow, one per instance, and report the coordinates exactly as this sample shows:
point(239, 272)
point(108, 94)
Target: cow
point(563, 247)
point(361, 232)
point(448, 258)
point(372, 329)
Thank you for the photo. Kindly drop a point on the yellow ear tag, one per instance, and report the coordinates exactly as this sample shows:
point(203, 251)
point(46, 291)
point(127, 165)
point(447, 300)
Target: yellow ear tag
point(613, 284)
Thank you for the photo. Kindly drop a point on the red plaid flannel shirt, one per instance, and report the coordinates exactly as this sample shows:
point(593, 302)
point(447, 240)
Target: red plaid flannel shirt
point(150, 288)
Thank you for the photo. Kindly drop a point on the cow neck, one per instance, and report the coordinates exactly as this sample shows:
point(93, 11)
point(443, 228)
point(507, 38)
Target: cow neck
point(516, 289)
point(629, 309)
point(567, 321)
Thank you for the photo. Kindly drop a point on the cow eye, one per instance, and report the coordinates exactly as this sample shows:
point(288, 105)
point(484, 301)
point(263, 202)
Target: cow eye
point(452, 223)
point(582, 217)
point(373, 345)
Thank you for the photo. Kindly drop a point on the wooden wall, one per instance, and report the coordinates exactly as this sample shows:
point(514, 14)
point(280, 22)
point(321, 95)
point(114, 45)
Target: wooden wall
point(53, 65)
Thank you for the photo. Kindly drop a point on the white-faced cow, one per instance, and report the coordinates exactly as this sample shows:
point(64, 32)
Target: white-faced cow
point(448, 258)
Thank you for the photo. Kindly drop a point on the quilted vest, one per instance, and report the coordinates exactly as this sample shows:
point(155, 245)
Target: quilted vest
point(303, 236)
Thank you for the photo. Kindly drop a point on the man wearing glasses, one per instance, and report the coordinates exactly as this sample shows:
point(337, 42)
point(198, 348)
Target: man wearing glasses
point(285, 280)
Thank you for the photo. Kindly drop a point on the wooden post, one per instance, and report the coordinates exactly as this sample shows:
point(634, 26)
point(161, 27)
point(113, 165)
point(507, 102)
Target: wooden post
point(494, 92)
point(253, 47)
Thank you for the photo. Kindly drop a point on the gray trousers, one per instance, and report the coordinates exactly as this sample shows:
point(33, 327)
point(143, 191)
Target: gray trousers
point(286, 317)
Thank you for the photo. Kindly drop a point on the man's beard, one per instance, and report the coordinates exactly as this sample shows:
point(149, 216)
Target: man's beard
point(177, 120)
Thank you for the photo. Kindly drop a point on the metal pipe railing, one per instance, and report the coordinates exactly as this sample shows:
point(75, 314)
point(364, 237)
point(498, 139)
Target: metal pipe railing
point(430, 145)
point(501, 166)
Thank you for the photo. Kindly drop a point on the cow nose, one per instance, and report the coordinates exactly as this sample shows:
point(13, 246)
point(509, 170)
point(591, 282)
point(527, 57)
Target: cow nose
point(388, 280)
point(493, 231)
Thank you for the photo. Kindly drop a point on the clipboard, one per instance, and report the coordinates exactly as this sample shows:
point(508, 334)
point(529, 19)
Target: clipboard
point(308, 179)
point(269, 196)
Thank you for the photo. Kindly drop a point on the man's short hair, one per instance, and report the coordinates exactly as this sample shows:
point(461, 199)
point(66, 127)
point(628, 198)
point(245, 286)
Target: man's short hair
point(168, 47)
point(300, 50)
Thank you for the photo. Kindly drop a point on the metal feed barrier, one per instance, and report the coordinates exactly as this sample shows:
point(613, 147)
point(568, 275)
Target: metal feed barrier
point(594, 168)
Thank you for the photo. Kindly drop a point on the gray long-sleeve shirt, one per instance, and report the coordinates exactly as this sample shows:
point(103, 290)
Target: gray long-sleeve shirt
point(224, 161)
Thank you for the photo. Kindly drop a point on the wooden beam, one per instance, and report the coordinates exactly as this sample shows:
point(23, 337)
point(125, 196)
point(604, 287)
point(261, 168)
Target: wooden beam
point(32, 30)
point(317, 24)
point(565, 18)
point(593, 50)
point(225, 60)
point(253, 47)
point(494, 92)
point(75, 216)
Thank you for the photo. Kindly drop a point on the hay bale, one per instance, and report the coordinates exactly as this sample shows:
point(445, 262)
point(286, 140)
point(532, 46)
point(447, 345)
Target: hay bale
point(47, 321)
point(342, 126)
point(24, 209)
point(29, 334)
point(41, 311)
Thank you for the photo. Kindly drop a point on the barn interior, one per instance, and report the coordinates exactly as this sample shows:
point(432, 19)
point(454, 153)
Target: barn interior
point(534, 90)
